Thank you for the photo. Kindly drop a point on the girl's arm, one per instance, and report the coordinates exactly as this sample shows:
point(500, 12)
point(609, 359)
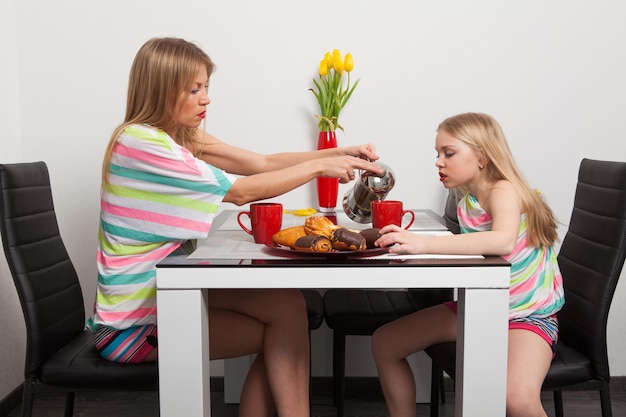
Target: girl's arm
point(504, 206)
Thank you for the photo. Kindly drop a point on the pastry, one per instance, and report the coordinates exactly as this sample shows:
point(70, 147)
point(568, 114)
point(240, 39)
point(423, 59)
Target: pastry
point(289, 236)
point(370, 236)
point(313, 243)
point(346, 239)
point(340, 237)
point(297, 239)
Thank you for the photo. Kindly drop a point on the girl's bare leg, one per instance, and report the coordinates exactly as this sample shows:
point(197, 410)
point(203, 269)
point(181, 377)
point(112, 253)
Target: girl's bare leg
point(393, 342)
point(528, 363)
point(275, 324)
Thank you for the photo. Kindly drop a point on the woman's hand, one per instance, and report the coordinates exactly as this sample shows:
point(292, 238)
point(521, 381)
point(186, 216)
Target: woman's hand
point(345, 167)
point(366, 151)
point(400, 240)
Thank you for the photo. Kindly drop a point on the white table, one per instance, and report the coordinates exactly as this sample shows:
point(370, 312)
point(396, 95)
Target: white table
point(183, 316)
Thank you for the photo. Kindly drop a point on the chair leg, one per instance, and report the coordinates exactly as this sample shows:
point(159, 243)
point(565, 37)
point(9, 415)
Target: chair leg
point(310, 376)
point(28, 396)
point(442, 388)
point(435, 381)
point(558, 403)
point(605, 400)
point(69, 404)
point(339, 370)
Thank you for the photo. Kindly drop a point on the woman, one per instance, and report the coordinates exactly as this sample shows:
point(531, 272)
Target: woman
point(163, 180)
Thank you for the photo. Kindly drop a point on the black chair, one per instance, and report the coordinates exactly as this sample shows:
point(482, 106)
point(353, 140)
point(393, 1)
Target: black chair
point(315, 311)
point(60, 352)
point(350, 312)
point(591, 259)
point(314, 308)
point(360, 312)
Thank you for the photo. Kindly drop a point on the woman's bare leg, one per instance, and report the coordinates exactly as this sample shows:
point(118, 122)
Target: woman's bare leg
point(393, 342)
point(256, 397)
point(275, 324)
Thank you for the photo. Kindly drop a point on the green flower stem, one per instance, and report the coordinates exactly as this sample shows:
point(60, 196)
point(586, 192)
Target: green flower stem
point(332, 97)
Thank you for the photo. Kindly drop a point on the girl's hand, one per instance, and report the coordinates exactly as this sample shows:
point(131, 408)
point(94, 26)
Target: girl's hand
point(400, 240)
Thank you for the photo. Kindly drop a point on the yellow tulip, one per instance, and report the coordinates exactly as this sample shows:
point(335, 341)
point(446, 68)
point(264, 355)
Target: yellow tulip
point(323, 68)
point(348, 63)
point(335, 57)
point(337, 62)
point(328, 58)
point(331, 92)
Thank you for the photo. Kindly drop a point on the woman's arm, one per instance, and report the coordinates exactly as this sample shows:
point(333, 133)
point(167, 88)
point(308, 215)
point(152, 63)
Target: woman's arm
point(274, 183)
point(243, 162)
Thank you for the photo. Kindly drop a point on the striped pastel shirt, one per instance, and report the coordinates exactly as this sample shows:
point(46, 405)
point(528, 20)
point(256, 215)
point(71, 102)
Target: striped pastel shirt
point(536, 282)
point(158, 198)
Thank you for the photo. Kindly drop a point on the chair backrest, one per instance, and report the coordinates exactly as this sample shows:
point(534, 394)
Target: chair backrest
point(449, 213)
point(46, 281)
point(591, 258)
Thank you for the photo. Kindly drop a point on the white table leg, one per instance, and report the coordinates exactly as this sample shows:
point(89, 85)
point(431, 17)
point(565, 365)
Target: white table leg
point(482, 341)
point(184, 378)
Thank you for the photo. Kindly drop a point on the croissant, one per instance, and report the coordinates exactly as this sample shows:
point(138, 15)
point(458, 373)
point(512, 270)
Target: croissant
point(340, 237)
point(319, 225)
point(288, 236)
point(296, 238)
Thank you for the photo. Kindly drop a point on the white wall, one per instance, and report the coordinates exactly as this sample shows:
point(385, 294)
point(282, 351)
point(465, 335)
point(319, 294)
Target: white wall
point(552, 74)
point(13, 340)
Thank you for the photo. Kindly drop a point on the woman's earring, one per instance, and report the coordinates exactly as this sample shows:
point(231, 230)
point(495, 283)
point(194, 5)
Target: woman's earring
point(480, 166)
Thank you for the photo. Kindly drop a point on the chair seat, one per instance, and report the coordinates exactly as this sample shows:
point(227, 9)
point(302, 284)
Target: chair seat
point(363, 311)
point(568, 365)
point(78, 365)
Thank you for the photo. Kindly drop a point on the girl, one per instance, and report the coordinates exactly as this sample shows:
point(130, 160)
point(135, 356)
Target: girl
point(498, 215)
point(163, 180)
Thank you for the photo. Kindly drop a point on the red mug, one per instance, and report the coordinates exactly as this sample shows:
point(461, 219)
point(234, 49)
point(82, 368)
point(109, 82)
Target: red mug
point(389, 212)
point(266, 219)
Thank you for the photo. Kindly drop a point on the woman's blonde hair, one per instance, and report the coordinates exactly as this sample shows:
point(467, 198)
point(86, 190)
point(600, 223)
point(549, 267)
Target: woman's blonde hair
point(163, 69)
point(483, 133)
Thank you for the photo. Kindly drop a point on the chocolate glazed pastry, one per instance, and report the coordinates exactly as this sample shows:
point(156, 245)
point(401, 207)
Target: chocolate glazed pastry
point(345, 239)
point(370, 236)
point(313, 243)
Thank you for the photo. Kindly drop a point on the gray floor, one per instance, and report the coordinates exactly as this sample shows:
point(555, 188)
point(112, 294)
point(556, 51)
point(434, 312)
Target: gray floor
point(365, 401)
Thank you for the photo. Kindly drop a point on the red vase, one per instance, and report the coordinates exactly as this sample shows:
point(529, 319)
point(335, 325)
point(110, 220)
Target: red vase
point(327, 188)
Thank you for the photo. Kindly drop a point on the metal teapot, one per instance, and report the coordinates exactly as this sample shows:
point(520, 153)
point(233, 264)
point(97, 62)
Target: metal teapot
point(369, 187)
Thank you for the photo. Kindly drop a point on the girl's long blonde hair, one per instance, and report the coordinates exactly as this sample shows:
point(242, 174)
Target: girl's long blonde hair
point(163, 69)
point(483, 133)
